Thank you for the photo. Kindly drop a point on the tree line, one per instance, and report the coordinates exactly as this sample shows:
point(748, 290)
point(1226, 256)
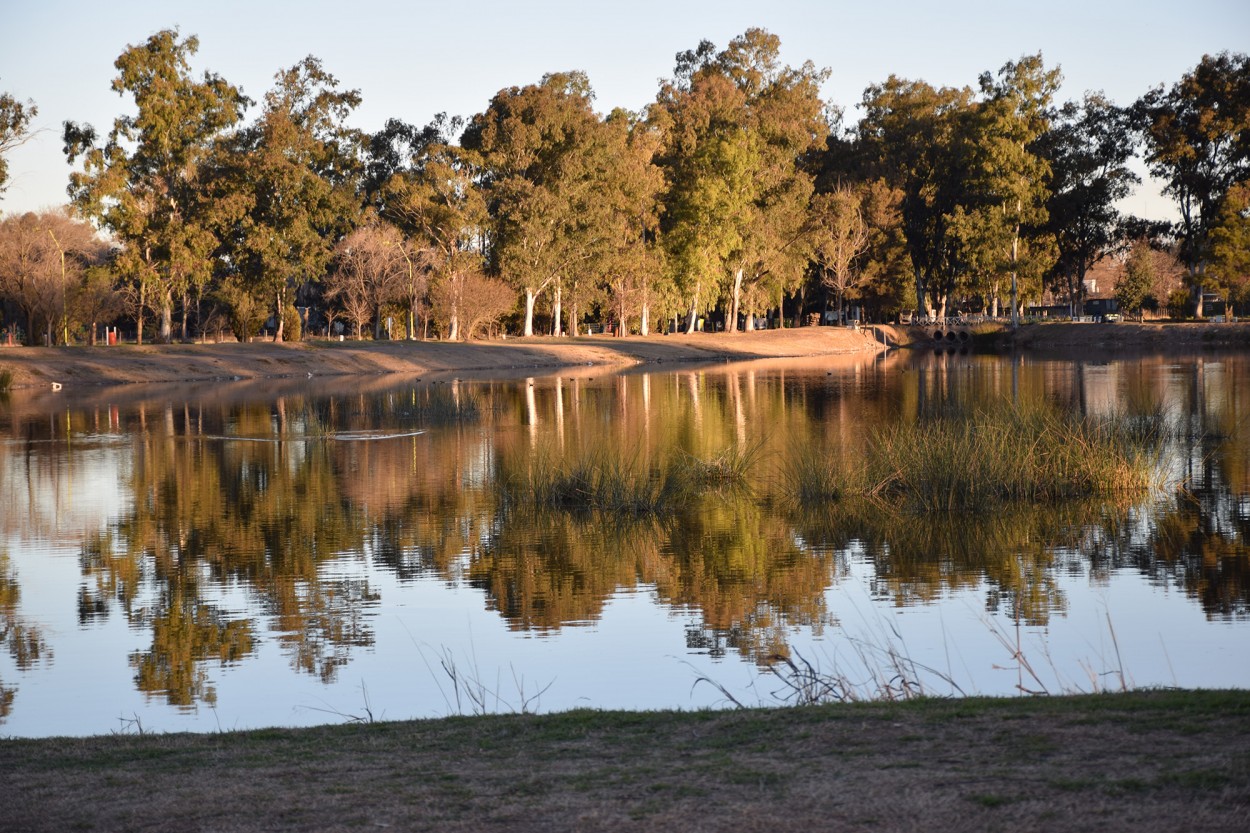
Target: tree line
point(737, 194)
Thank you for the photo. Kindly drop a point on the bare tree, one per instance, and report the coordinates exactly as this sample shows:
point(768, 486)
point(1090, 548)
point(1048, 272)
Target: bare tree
point(42, 260)
point(486, 301)
point(465, 300)
point(373, 266)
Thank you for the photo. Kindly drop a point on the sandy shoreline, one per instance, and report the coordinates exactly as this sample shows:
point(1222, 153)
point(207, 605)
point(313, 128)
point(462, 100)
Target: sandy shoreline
point(72, 367)
point(91, 368)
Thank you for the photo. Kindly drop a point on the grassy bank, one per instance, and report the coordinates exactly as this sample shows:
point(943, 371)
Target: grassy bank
point(1141, 761)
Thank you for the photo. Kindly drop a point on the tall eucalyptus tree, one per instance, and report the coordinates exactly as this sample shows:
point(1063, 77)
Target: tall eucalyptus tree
point(144, 183)
point(15, 118)
point(738, 125)
point(288, 189)
point(541, 187)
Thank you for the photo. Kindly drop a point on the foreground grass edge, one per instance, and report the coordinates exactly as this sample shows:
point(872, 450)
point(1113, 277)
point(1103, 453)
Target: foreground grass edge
point(1170, 703)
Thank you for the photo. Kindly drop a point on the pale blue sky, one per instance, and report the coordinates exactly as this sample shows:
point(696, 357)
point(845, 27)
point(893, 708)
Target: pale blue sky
point(412, 60)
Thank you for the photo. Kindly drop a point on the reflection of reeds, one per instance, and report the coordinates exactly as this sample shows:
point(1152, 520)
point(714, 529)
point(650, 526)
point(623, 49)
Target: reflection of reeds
point(969, 460)
point(6, 380)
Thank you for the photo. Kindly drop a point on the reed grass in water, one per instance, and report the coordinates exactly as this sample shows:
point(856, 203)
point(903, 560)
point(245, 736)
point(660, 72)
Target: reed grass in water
point(948, 462)
point(603, 479)
point(596, 480)
point(967, 460)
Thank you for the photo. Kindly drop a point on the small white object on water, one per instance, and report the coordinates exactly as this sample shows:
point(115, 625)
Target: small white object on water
point(56, 385)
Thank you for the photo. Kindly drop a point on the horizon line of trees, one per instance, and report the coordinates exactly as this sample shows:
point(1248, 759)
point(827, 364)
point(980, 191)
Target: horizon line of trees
point(737, 190)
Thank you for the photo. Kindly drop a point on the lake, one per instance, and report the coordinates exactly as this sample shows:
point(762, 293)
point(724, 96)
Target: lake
point(293, 552)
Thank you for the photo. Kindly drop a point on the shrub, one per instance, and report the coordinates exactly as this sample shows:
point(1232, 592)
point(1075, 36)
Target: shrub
point(292, 324)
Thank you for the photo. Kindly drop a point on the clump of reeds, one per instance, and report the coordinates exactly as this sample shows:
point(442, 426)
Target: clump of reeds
point(6, 380)
point(605, 480)
point(811, 477)
point(729, 467)
point(443, 409)
point(594, 481)
point(958, 460)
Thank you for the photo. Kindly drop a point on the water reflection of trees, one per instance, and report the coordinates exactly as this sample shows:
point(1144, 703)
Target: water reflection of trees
point(25, 641)
point(258, 519)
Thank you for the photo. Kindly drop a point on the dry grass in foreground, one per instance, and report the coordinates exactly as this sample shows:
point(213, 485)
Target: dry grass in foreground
point(1145, 761)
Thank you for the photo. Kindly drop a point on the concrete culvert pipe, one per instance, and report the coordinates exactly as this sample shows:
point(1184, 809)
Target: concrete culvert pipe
point(937, 335)
point(963, 335)
point(950, 335)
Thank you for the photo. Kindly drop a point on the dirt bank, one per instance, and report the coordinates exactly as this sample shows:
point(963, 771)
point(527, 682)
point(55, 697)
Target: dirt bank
point(78, 366)
point(92, 367)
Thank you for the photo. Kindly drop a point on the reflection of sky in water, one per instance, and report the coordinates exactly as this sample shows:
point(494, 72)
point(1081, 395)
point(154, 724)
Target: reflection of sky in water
point(76, 491)
point(633, 652)
point(632, 657)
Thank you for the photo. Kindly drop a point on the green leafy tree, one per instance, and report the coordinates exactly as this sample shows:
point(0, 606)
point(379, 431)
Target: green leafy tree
point(626, 215)
point(915, 137)
point(1230, 243)
point(289, 182)
point(841, 237)
point(1009, 174)
point(1197, 136)
point(972, 179)
point(94, 299)
point(1137, 280)
point(1088, 149)
point(738, 127)
point(885, 275)
point(144, 184)
point(15, 119)
point(535, 144)
point(708, 162)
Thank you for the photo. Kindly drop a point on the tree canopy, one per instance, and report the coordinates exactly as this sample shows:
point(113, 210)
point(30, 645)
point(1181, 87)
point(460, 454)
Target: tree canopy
point(736, 192)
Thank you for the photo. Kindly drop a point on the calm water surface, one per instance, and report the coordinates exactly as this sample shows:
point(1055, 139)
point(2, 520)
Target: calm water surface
point(246, 555)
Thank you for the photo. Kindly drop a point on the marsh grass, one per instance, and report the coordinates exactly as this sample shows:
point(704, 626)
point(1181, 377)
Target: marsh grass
point(964, 460)
point(730, 467)
point(812, 477)
point(444, 409)
point(468, 692)
point(951, 461)
point(604, 479)
point(6, 380)
point(597, 480)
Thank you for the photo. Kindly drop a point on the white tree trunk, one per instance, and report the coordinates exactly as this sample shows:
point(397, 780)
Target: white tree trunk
point(277, 330)
point(529, 312)
point(694, 310)
point(731, 325)
point(556, 323)
point(167, 318)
